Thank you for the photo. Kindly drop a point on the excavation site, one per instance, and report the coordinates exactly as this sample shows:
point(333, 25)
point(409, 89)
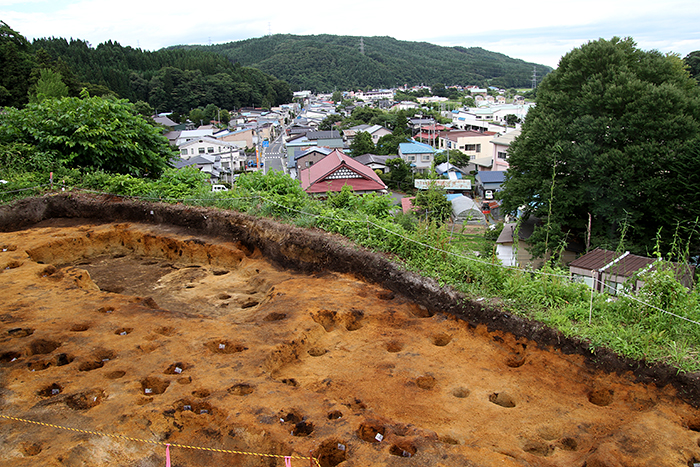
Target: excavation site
point(143, 334)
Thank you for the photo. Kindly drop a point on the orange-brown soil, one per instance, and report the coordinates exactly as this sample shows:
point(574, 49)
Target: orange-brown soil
point(172, 332)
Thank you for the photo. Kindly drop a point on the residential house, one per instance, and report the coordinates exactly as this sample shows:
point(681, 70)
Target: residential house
point(418, 155)
point(375, 95)
point(375, 131)
point(207, 163)
point(475, 144)
point(242, 137)
point(327, 139)
point(336, 170)
point(232, 158)
point(306, 158)
point(499, 158)
point(488, 183)
point(167, 122)
point(449, 171)
point(612, 272)
point(429, 133)
point(374, 161)
point(404, 105)
point(188, 135)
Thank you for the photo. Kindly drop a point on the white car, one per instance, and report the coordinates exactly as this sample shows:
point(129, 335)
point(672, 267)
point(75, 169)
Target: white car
point(219, 188)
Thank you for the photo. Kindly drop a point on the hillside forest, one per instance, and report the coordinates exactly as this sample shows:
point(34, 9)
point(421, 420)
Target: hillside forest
point(168, 80)
point(325, 63)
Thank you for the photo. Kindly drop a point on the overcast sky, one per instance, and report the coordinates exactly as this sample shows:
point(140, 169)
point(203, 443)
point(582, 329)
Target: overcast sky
point(540, 31)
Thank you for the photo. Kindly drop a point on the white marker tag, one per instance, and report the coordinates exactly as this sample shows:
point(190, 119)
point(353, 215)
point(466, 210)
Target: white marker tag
point(178, 370)
point(379, 437)
point(148, 390)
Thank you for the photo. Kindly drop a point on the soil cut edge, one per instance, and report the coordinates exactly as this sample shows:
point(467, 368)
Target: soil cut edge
point(313, 251)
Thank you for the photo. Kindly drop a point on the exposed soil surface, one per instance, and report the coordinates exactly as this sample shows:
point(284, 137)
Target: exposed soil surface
point(208, 328)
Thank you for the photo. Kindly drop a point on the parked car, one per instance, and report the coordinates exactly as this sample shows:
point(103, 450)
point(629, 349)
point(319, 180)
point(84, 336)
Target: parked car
point(219, 188)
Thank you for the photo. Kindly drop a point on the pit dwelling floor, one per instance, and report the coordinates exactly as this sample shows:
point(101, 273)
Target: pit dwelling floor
point(145, 332)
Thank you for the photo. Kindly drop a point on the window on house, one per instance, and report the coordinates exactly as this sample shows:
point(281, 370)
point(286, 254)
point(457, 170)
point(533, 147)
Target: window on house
point(411, 158)
point(210, 149)
point(425, 158)
point(201, 150)
point(473, 147)
point(502, 155)
point(183, 152)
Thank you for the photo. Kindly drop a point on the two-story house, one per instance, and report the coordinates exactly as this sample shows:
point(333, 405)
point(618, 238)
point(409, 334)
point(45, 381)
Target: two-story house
point(231, 156)
point(475, 144)
point(499, 158)
point(420, 156)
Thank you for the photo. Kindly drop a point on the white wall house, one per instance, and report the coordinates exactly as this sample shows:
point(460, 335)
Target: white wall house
point(232, 157)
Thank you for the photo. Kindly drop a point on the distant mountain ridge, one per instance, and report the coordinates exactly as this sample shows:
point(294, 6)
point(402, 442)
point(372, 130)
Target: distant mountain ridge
point(325, 63)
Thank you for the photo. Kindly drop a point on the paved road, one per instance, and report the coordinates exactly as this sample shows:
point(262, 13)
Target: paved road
point(274, 156)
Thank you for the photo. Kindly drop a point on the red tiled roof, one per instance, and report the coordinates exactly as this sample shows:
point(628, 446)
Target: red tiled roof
point(316, 179)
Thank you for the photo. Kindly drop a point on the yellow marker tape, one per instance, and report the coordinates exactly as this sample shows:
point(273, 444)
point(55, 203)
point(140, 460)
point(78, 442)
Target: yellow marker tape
point(160, 443)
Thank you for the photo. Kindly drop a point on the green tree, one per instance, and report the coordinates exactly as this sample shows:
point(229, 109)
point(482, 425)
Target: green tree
point(144, 108)
point(692, 61)
point(389, 144)
point(456, 157)
point(337, 97)
point(329, 122)
point(225, 117)
point(400, 176)
point(434, 204)
point(614, 130)
point(362, 144)
point(17, 61)
point(512, 119)
point(49, 85)
point(92, 132)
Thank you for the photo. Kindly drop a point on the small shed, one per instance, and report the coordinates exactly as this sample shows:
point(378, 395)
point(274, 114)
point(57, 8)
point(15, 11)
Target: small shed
point(610, 271)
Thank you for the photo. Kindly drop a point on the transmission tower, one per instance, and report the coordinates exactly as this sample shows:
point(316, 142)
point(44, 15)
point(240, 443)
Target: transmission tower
point(534, 77)
point(362, 46)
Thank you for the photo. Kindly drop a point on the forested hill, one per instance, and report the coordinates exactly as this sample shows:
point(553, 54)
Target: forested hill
point(169, 80)
point(328, 62)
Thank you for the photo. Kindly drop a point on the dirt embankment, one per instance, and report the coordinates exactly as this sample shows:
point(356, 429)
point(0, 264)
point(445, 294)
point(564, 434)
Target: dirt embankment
point(209, 328)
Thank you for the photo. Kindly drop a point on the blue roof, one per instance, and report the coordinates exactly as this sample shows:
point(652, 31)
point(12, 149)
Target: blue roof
point(492, 176)
point(416, 148)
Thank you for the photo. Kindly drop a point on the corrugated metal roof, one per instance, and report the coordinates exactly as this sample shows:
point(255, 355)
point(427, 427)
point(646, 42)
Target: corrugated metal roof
point(620, 264)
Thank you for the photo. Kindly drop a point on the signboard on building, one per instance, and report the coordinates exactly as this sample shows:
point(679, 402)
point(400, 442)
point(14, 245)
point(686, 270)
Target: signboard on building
point(461, 185)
